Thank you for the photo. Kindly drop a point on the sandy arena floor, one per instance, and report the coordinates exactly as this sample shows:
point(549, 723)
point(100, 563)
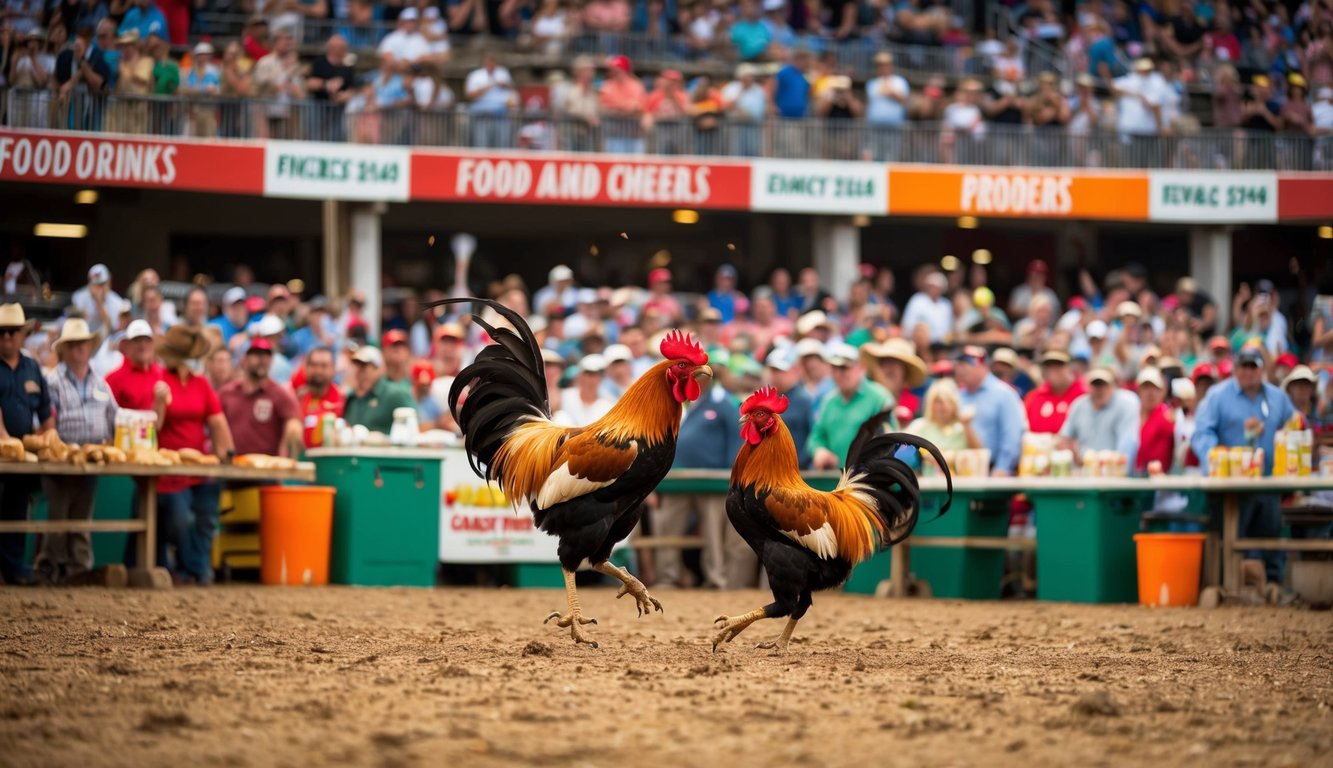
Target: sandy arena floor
point(239, 676)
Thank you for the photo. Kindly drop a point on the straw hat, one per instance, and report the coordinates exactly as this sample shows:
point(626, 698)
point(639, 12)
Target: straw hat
point(181, 342)
point(75, 329)
point(11, 316)
point(900, 350)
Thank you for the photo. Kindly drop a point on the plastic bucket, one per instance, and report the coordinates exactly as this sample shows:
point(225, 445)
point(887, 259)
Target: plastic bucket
point(1169, 566)
point(295, 527)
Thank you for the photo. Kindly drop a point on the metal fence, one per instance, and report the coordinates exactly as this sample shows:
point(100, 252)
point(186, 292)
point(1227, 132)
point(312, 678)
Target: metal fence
point(810, 138)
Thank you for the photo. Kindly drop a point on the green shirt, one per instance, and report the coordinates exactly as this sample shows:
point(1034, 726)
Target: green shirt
point(166, 77)
point(374, 410)
point(839, 419)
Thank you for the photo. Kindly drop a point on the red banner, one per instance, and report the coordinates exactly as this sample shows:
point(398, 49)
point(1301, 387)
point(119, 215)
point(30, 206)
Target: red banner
point(65, 158)
point(571, 180)
point(1304, 197)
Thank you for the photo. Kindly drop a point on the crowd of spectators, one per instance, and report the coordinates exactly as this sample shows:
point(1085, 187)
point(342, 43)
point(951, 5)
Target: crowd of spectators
point(1116, 69)
point(1109, 366)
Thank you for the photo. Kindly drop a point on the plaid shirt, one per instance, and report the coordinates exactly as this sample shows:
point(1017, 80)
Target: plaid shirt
point(85, 410)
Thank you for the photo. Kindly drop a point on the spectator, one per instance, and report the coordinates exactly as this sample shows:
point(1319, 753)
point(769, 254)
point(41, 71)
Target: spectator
point(1301, 385)
point(25, 408)
point(1047, 405)
point(317, 396)
point(1245, 410)
point(277, 80)
point(189, 415)
point(236, 83)
point(708, 440)
point(101, 306)
point(166, 73)
point(894, 365)
point(886, 111)
point(1157, 427)
point(152, 310)
point(143, 18)
point(490, 91)
point(783, 372)
point(382, 120)
point(332, 80)
point(1198, 305)
point(816, 374)
point(931, 308)
point(724, 297)
point(839, 105)
point(235, 317)
point(405, 43)
point(660, 297)
point(665, 110)
point(132, 383)
point(551, 26)
point(219, 367)
point(1103, 63)
point(1020, 299)
point(1034, 331)
point(750, 34)
point(87, 66)
point(397, 358)
point(582, 404)
point(944, 421)
point(1105, 419)
point(606, 16)
point(619, 372)
point(997, 411)
point(195, 312)
point(1004, 105)
point(580, 108)
point(204, 82)
point(1138, 111)
point(255, 38)
point(788, 302)
point(372, 399)
point(964, 126)
point(263, 415)
point(622, 100)
point(745, 104)
point(843, 410)
point(791, 89)
point(134, 79)
point(30, 68)
point(429, 414)
point(763, 328)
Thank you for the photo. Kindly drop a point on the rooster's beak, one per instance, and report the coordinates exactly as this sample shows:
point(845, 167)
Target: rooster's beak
point(744, 418)
point(705, 370)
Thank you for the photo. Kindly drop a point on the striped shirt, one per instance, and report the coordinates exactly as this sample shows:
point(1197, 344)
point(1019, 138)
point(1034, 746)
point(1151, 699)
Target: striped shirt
point(85, 410)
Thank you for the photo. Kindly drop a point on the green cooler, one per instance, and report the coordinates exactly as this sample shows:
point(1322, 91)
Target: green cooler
point(386, 514)
point(1085, 544)
point(115, 500)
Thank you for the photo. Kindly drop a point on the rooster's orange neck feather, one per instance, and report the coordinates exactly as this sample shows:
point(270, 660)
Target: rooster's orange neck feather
point(772, 462)
point(647, 410)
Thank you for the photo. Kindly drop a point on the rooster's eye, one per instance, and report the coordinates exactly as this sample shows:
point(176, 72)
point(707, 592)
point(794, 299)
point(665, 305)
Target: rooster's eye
point(680, 366)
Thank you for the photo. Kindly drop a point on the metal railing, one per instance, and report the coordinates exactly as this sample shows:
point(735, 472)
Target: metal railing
point(811, 138)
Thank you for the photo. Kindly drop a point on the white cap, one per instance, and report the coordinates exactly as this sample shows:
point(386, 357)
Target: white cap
point(1096, 329)
point(269, 325)
point(782, 358)
point(368, 355)
point(937, 278)
point(203, 49)
point(1300, 373)
point(551, 357)
point(586, 296)
point(806, 347)
point(807, 323)
point(773, 5)
point(139, 329)
point(593, 363)
point(1183, 389)
point(617, 353)
point(560, 272)
point(234, 294)
point(1151, 376)
point(98, 274)
point(839, 355)
point(431, 12)
point(1324, 93)
point(409, 14)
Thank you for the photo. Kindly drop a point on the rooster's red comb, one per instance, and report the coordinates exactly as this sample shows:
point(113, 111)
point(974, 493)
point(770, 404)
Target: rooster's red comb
point(766, 398)
point(679, 346)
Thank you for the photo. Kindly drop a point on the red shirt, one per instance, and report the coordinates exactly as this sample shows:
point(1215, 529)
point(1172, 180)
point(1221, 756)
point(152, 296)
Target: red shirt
point(1157, 439)
point(184, 423)
point(1047, 410)
point(132, 386)
point(312, 408)
point(257, 418)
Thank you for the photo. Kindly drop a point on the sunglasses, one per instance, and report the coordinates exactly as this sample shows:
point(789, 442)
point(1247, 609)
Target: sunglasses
point(10, 331)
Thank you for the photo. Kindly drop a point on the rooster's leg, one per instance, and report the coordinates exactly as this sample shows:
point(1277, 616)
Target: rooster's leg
point(574, 619)
point(632, 586)
point(732, 627)
point(779, 643)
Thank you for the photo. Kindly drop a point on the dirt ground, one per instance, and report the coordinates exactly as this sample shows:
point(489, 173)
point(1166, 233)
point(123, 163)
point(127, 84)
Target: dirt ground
point(239, 676)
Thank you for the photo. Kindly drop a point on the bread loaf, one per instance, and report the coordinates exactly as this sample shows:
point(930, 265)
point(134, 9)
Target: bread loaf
point(11, 449)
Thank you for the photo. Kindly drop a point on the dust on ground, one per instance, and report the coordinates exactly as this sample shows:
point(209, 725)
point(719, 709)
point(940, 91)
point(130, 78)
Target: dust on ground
point(239, 676)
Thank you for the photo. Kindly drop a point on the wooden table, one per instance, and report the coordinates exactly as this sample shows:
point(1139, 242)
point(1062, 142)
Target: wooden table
point(147, 573)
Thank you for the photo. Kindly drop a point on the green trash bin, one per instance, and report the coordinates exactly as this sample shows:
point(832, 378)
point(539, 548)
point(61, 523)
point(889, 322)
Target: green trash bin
point(115, 500)
point(1085, 544)
point(386, 515)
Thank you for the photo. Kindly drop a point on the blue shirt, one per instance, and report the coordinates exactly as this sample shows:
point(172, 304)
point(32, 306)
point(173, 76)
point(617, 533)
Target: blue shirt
point(792, 93)
point(201, 82)
point(800, 419)
point(24, 395)
point(223, 324)
point(1221, 417)
point(147, 21)
point(725, 303)
point(751, 39)
point(709, 435)
point(999, 422)
point(1103, 51)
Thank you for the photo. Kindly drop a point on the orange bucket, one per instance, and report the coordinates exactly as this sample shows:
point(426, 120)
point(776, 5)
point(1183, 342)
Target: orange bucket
point(295, 527)
point(1169, 567)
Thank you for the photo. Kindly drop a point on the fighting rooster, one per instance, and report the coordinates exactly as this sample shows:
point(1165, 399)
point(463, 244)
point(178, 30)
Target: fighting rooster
point(809, 540)
point(584, 484)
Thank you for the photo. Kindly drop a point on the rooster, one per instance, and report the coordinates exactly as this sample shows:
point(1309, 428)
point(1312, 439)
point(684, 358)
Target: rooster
point(809, 540)
point(583, 484)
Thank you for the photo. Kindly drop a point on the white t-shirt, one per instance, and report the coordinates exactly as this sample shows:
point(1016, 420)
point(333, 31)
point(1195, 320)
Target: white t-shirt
point(1131, 115)
point(575, 413)
point(964, 117)
point(495, 99)
point(405, 46)
point(882, 109)
point(1323, 115)
point(438, 30)
point(427, 94)
point(1170, 97)
point(937, 315)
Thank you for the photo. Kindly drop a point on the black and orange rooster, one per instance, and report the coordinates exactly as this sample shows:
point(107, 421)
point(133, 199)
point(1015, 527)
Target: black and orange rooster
point(584, 484)
point(809, 540)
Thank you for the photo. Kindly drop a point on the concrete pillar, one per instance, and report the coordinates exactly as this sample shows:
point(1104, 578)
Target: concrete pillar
point(836, 243)
point(1210, 265)
point(334, 251)
point(366, 267)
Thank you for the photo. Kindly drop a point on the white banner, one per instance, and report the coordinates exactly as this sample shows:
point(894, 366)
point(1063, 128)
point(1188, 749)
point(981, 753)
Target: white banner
point(813, 186)
point(1192, 196)
point(336, 171)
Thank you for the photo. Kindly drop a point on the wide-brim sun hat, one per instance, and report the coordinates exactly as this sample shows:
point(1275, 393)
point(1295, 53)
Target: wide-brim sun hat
point(900, 350)
point(182, 342)
point(11, 316)
point(75, 329)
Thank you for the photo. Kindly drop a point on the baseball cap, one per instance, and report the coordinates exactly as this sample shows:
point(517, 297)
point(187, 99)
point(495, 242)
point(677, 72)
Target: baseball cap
point(1096, 329)
point(807, 347)
point(1187, 284)
point(1300, 373)
point(593, 363)
point(255, 303)
point(1225, 368)
point(1265, 286)
point(941, 368)
point(560, 272)
point(1006, 356)
point(1203, 371)
point(1054, 357)
point(1101, 374)
point(422, 372)
point(269, 325)
point(970, 353)
point(449, 331)
point(781, 358)
point(1218, 342)
point(839, 355)
point(620, 62)
point(710, 315)
point(278, 291)
point(409, 14)
point(1287, 359)
point(259, 344)
point(726, 270)
point(395, 336)
point(807, 323)
point(551, 357)
point(1129, 308)
point(234, 294)
point(1183, 389)
point(1250, 356)
point(98, 274)
point(368, 355)
point(1078, 302)
point(617, 353)
point(1151, 376)
point(139, 329)
point(659, 275)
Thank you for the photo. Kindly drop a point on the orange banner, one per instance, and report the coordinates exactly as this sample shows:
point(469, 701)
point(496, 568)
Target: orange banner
point(1036, 194)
